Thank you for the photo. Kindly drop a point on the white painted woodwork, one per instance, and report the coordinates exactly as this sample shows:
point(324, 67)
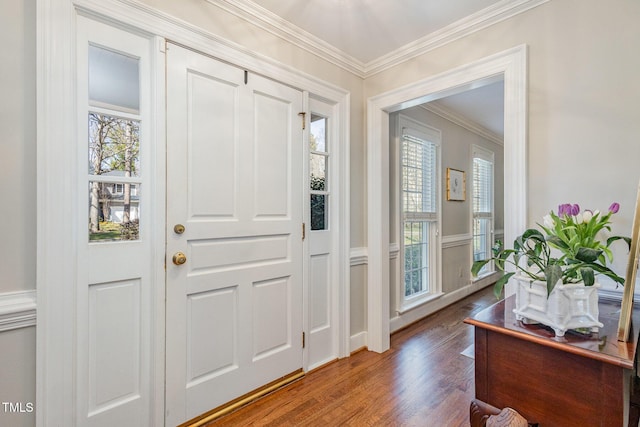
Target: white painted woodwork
point(60, 397)
point(114, 291)
point(322, 340)
point(511, 65)
point(234, 169)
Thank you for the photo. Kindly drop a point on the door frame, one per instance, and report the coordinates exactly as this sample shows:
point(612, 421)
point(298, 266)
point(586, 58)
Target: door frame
point(57, 179)
point(510, 65)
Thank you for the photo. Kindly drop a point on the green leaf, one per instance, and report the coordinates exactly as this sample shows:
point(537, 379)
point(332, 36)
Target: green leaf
point(477, 266)
point(497, 288)
point(588, 254)
point(612, 239)
point(533, 234)
point(557, 242)
point(553, 273)
point(587, 276)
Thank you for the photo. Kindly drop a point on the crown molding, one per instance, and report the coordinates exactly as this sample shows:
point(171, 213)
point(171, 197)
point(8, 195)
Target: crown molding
point(484, 18)
point(272, 23)
point(462, 121)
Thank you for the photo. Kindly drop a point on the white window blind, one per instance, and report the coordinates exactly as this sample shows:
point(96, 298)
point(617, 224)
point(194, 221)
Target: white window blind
point(482, 187)
point(419, 177)
point(482, 206)
point(419, 211)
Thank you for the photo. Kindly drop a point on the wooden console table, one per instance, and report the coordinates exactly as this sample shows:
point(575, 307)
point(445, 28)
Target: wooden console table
point(575, 380)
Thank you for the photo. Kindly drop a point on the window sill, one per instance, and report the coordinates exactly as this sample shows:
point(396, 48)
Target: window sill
point(419, 302)
point(488, 278)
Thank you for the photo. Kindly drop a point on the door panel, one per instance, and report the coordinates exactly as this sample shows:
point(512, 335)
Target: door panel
point(322, 317)
point(234, 159)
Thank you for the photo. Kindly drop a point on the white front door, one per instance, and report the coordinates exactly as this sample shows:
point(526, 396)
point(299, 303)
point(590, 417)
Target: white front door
point(234, 209)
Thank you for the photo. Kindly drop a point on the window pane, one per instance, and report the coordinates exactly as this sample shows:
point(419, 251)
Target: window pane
point(416, 263)
point(319, 217)
point(114, 79)
point(418, 175)
point(482, 209)
point(318, 132)
point(114, 146)
point(114, 211)
point(318, 167)
point(482, 185)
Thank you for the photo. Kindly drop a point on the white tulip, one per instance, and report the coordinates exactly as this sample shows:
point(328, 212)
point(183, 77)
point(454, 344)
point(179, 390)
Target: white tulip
point(548, 221)
point(586, 216)
point(578, 218)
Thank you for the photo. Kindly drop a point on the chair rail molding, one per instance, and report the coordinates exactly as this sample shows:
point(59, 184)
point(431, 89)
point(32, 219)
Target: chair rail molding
point(509, 65)
point(17, 310)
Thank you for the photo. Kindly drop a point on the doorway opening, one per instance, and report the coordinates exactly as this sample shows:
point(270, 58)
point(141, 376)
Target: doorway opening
point(509, 66)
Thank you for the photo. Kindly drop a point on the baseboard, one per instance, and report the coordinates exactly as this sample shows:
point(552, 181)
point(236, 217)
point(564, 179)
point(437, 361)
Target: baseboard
point(412, 316)
point(358, 341)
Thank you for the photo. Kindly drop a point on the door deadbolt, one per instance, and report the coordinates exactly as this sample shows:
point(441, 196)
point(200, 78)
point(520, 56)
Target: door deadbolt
point(178, 228)
point(179, 258)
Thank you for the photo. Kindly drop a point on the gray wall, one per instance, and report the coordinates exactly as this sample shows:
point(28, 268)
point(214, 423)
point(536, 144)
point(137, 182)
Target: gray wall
point(456, 216)
point(18, 199)
point(583, 124)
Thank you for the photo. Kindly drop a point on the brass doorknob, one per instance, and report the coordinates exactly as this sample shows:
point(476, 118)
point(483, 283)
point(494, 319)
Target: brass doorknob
point(178, 228)
point(179, 258)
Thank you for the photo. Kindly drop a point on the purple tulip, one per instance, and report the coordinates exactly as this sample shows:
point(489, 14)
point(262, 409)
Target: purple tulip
point(575, 209)
point(564, 209)
point(614, 208)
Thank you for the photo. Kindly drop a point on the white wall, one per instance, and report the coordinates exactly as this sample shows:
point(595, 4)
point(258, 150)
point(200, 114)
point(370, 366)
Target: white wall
point(17, 204)
point(583, 123)
point(583, 100)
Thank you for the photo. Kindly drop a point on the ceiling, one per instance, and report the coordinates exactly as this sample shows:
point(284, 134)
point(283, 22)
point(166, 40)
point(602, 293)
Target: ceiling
point(370, 30)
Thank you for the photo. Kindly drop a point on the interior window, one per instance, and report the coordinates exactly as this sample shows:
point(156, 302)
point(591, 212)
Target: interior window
point(483, 206)
point(419, 196)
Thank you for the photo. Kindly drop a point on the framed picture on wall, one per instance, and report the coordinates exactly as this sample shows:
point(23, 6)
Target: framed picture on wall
point(456, 185)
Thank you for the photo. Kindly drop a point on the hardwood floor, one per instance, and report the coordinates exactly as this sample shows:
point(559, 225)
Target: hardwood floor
point(423, 380)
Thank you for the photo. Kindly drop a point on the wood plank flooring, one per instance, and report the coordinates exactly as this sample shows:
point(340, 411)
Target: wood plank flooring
point(423, 380)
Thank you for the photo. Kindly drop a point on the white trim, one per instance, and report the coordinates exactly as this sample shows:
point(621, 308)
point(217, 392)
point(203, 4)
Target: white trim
point(462, 121)
point(17, 310)
point(358, 341)
point(274, 24)
point(482, 19)
point(394, 250)
point(268, 21)
point(410, 316)
point(56, 181)
point(358, 256)
point(510, 65)
point(56, 246)
point(153, 21)
point(434, 253)
point(454, 240)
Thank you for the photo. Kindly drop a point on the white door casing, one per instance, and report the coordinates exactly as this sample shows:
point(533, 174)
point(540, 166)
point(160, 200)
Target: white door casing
point(509, 65)
point(57, 180)
point(234, 169)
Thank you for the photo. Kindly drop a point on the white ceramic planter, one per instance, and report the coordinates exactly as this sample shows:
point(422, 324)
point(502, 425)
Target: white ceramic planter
point(570, 306)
